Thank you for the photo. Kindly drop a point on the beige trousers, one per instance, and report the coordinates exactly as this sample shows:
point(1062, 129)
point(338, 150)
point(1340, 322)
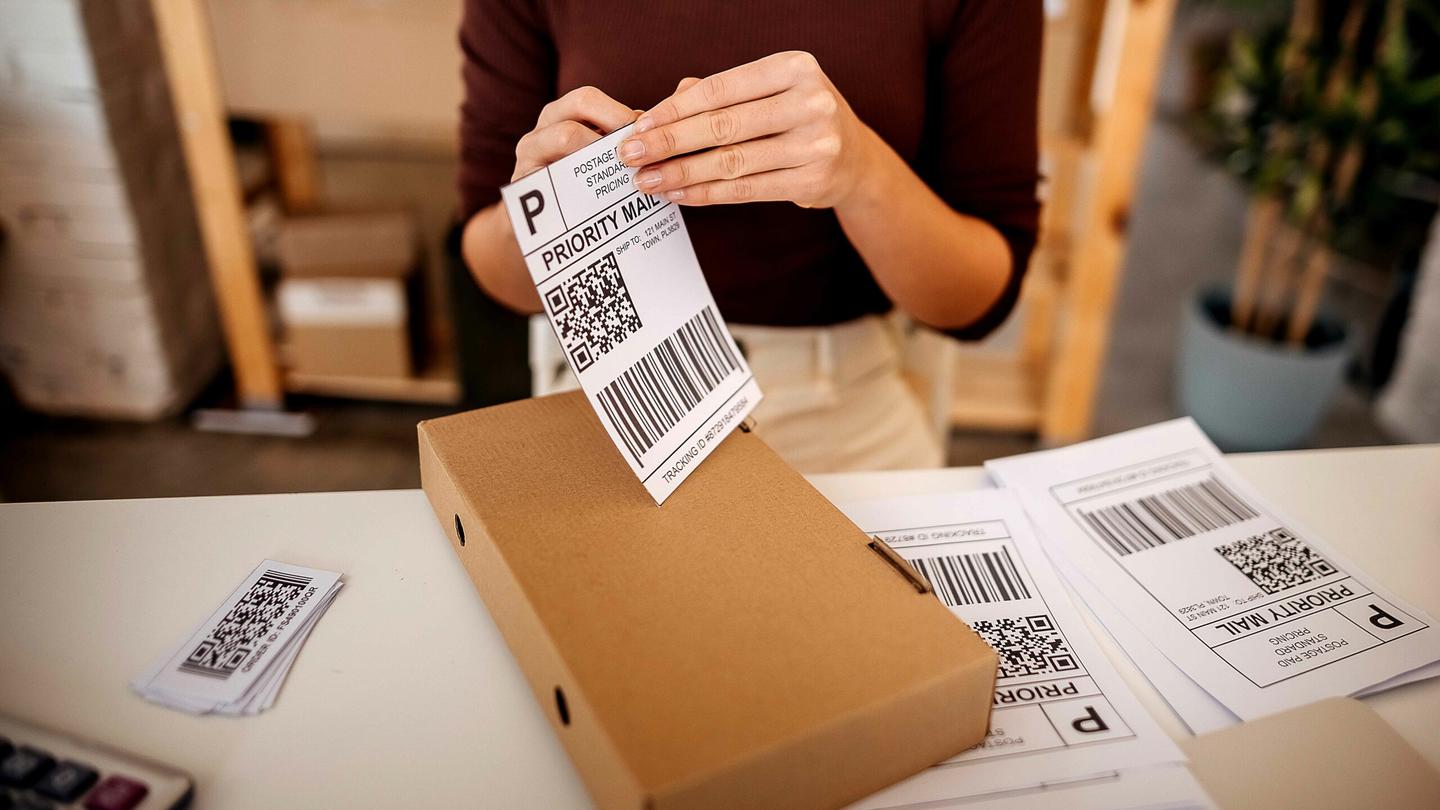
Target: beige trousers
point(835, 400)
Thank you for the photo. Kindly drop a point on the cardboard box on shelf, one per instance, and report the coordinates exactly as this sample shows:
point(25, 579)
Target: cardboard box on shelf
point(352, 245)
point(743, 645)
point(346, 327)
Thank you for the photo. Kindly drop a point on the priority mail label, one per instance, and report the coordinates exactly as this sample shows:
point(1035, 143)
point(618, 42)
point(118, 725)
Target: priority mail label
point(1252, 606)
point(622, 289)
point(1060, 710)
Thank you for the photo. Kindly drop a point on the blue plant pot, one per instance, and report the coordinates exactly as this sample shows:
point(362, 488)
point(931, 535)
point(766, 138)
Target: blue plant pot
point(1249, 393)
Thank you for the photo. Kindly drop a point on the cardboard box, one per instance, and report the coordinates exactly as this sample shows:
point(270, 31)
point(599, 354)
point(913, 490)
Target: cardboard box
point(1334, 754)
point(373, 245)
point(346, 327)
point(744, 645)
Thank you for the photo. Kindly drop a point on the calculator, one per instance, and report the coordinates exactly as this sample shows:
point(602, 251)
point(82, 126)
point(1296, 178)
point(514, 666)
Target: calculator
point(43, 769)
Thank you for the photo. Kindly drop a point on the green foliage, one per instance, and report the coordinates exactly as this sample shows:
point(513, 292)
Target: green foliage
point(1263, 124)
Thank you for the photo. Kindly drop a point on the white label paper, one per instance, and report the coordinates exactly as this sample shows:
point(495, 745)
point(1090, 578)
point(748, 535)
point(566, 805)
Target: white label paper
point(1061, 711)
point(1197, 709)
point(234, 661)
point(1252, 606)
point(622, 289)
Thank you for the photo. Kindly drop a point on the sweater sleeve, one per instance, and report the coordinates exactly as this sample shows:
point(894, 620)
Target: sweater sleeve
point(509, 75)
point(985, 154)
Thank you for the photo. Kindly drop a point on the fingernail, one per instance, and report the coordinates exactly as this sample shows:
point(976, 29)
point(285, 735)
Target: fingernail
point(677, 194)
point(644, 124)
point(647, 179)
point(631, 149)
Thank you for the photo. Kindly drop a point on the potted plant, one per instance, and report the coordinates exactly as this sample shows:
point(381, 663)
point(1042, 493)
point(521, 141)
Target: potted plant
point(1329, 119)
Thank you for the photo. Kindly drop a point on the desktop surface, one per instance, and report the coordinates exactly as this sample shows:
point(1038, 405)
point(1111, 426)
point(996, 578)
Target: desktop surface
point(406, 693)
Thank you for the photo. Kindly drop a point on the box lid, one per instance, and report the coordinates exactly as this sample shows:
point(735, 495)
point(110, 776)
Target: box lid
point(741, 645)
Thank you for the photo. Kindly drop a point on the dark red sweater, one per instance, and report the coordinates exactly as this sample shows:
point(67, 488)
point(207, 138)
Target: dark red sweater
point(951, 86)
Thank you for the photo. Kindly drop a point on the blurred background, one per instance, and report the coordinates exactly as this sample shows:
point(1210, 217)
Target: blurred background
point(227, 259)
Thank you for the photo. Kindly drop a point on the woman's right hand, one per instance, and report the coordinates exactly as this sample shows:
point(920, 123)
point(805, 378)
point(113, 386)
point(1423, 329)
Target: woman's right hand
point(578, 118)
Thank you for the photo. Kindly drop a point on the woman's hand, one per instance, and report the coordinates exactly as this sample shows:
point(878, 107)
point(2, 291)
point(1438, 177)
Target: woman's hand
point(773, 129)
point(578, 118)
point(777, 129)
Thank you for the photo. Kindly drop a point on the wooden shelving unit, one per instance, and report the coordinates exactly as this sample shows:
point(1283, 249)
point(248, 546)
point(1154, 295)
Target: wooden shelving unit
point(261, 380)
point(436, 384)
point(1102, 59)
point(1101, 63)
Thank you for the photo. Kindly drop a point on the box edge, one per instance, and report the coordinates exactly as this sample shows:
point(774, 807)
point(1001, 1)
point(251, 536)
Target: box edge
point(608, 778)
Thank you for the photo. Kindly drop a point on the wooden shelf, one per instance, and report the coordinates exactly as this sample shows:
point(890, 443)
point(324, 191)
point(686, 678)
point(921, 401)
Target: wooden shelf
point(1101, 63)
point(437, 385)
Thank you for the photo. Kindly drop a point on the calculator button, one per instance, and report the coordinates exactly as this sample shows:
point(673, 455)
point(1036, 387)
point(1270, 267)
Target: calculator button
point(116, 793)
point(66, 781)
point(24, 765)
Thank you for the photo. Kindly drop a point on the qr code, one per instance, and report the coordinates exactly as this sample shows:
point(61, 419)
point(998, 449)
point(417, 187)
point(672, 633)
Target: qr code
point(592, 311)
point(253, 618)
point(1276, 560)
point(1028, 645)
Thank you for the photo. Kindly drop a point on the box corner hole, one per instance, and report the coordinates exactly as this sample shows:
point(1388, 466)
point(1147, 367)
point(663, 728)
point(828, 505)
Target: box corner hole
point(562, 707)
point(459, 531)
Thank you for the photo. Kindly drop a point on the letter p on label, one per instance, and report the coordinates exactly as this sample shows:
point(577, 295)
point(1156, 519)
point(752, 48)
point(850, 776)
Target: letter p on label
point(1089, 722)
point(534, 211)
point(1085, 719)
point(532, 203)
point(1379, 618)
point(1382, 619)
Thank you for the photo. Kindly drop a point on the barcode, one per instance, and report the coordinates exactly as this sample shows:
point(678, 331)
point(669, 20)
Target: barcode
point(970, 579)
point(1027, 645)
point(650, 397)
point(231, 641)
point(1165, 517)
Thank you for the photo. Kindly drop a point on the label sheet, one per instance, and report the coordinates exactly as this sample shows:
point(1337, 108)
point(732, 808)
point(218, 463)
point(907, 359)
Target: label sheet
point(622, 289)
point(1060, 710)
point(1252, 606)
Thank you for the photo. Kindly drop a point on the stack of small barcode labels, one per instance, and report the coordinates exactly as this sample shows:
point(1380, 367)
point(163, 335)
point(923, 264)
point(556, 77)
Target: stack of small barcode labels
point(235, 661)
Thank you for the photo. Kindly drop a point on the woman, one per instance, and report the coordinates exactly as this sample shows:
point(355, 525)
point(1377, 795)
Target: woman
point(836, 159)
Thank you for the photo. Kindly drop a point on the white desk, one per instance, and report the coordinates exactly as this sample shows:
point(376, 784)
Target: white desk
point(405, 693)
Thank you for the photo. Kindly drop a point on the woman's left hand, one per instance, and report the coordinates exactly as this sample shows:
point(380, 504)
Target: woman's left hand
point(773, 129)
